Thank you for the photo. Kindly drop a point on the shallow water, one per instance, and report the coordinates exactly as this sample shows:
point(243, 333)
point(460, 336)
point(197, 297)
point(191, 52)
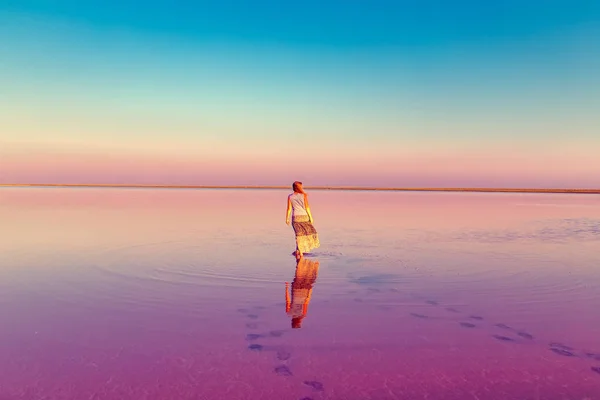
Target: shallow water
point(181, 294)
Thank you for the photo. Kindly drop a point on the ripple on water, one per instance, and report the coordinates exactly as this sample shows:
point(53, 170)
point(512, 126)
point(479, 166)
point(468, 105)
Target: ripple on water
point(157, 276)
point(169, 262)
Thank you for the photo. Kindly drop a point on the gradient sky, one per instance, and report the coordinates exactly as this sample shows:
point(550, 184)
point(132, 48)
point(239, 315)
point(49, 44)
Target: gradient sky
point(376, 93)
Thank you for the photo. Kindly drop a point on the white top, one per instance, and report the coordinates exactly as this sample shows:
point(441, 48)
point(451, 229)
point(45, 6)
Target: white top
point(298, 206)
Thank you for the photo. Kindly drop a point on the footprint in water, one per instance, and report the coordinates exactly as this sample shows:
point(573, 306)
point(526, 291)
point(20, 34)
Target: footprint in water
point(358, 300)
point(276, 333)
point(593, 356)
point(256, 347)
point(283, 370)
point(242, 310)
point(252, 316)
point(562, 352)
point(253, 336)
point(503, 338)
point(556, 347)
point(252, 325)
point(283, 355)
point(525, 335)
point(561, 346)
point(318, 386)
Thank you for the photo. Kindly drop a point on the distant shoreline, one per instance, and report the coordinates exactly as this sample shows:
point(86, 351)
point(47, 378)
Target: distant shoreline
point(341, 188)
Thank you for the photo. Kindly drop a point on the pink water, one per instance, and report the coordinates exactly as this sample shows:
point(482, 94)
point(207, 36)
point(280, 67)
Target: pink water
point(180, 294)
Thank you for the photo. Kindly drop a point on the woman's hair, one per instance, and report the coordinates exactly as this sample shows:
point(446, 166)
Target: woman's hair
point(297, 322)
point(297, 187)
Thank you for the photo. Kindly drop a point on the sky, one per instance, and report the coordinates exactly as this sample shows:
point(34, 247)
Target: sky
point(367, 93)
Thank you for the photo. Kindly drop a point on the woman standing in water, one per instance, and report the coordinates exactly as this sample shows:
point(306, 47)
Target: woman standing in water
point(302, 220)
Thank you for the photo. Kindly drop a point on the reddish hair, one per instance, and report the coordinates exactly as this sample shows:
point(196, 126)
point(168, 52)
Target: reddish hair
point(297, 322)
point(297, 187)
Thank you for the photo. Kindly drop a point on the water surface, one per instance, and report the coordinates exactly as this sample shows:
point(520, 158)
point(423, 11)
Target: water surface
point(181, 294)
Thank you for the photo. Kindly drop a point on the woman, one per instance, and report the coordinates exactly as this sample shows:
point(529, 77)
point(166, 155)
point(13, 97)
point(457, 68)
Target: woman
point(296, 300)
point(302, 221)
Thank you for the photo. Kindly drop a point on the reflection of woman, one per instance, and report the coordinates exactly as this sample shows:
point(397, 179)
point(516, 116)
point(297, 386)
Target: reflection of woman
point(304, 279)
point(302, 220)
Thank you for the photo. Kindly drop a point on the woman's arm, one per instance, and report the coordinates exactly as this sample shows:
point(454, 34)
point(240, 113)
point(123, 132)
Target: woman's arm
point(288, 211)
point(310, 217)
point(287, 298)
point(306, 301)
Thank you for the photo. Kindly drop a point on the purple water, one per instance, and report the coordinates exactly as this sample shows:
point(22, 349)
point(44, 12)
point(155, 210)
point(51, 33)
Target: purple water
point(181, 294)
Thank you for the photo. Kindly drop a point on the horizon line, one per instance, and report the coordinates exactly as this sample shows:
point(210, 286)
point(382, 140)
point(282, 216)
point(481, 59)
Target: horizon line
point(321, 187)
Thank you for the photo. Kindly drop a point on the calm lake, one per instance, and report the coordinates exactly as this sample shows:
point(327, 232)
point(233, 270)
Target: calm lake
point(181, 294)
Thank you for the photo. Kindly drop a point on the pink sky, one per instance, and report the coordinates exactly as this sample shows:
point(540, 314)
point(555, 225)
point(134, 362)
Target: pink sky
point(318, 167)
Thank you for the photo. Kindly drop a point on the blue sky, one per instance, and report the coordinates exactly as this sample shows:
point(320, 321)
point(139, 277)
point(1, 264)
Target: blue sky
point(438, 79)
point(326, 23)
